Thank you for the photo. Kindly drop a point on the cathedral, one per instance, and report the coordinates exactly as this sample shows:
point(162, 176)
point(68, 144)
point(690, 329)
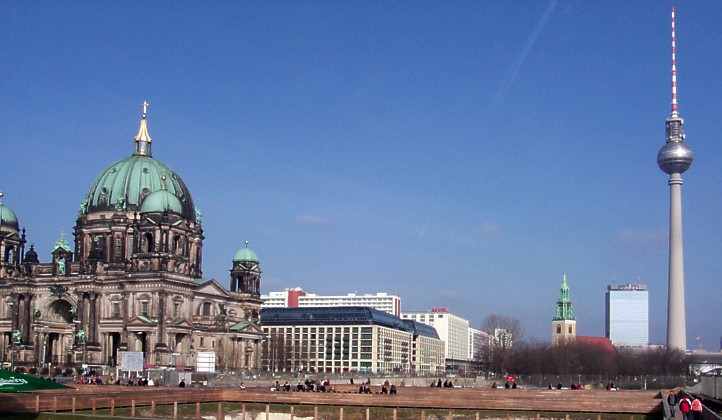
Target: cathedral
point(133, 281)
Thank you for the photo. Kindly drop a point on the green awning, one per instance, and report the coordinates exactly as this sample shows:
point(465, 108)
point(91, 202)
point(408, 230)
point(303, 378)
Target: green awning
point(20, 382)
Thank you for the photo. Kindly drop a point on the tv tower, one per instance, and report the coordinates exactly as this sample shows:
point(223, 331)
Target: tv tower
point(674, 158)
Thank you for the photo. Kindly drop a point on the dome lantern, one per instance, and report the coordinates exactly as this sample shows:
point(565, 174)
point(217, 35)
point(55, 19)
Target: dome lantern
point(143, 139)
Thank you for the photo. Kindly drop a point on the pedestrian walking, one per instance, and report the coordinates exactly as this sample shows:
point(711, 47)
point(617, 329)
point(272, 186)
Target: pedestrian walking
point(672, 402)
point(696, 409)
point(685, 407)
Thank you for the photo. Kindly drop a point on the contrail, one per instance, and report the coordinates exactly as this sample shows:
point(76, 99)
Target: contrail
point(513, 72)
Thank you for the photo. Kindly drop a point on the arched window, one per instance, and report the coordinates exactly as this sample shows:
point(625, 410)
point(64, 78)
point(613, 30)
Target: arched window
point(118, 247)
point(176, 240)
point(206, 309)
point(98, 250)
point(559, 329)
point(10, 254)
point(148, 242)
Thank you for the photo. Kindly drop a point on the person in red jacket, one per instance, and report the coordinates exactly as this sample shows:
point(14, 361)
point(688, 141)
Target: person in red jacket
point(685, 407)
point(696, 409)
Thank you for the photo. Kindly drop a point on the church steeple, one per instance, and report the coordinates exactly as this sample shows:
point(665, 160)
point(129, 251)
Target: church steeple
point(142, 139)
point(565, 309)
point(564, 324)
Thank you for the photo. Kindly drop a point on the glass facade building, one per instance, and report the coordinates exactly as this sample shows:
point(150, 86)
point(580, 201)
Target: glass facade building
point(347, 339)
point(627, 315)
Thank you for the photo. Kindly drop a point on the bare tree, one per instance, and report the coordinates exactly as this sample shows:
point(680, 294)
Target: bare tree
point(494, 321)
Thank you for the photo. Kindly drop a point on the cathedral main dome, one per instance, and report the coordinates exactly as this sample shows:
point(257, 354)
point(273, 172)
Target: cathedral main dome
point(124, 185)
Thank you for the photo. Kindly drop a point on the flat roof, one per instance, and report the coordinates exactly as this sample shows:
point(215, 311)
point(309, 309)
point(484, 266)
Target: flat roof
point(342, 315)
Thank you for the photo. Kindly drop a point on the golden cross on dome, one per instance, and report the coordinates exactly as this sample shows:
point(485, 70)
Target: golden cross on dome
point(146, 105)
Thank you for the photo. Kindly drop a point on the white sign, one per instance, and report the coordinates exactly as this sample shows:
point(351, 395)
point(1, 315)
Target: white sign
point(206, 361)
point(12, 381)
point(131, 361)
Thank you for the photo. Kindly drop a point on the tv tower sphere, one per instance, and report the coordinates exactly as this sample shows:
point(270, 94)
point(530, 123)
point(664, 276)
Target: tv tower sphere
point(675, 157)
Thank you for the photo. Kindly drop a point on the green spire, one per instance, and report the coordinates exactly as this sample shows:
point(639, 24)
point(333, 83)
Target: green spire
point(565, 309)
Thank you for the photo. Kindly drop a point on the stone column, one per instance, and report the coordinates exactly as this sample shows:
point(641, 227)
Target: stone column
point(28, 318)
point(16, 312)
point(124, 313)
point(161, 321)
point(93, 327)
point(80, 311)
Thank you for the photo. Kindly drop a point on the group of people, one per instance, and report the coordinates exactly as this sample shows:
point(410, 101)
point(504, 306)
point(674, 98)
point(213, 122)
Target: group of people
point(90, 379)
point(507, 385)
point(309, 385)
point(690, 409)
point(446, 384)
point(389, 389)
point(139, 381)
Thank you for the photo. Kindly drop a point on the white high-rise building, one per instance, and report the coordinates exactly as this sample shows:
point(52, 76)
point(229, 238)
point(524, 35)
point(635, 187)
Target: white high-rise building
point(298, 298)
point(477, 341)
point(453, 330)
point(627, 315)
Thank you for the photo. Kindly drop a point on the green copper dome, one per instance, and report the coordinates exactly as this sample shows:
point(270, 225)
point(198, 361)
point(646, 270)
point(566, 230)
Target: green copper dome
point(8, 217)
point(245, 254)
point(161, 201)
point(124, 186)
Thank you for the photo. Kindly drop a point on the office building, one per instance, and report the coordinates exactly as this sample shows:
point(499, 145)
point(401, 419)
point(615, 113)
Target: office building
point(347, 339)
point(478, 340)
point(627, 315)
point(453, 330)
point(298, 298)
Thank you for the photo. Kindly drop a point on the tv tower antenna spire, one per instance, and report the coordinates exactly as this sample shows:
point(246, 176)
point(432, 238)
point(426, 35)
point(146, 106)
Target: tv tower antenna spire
point(674, 61)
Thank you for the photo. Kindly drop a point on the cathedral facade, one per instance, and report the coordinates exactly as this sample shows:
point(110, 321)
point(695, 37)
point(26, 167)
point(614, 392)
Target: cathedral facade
point(132, 281)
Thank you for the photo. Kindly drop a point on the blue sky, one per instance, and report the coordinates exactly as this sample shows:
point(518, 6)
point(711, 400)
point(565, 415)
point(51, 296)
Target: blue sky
point(459, 154)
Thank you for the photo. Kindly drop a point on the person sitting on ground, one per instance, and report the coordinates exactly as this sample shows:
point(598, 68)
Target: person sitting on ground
point(151, 382)
point(513, 385)
point(506, 385)
point(182, 383)
point(384, 390)
point(392, 390)
point(559, 385)
point(550, 386)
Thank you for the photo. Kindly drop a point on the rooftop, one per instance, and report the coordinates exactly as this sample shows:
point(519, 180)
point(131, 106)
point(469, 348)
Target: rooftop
point(342, 315)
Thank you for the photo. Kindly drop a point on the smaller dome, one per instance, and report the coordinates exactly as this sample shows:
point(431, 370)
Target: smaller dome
point(161, 201)
point(245, 254)
point(8, 217)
